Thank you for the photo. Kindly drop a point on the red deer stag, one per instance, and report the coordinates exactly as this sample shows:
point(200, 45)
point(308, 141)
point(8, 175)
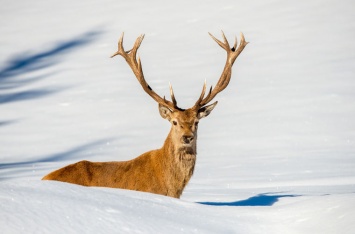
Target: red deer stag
point(166, 170)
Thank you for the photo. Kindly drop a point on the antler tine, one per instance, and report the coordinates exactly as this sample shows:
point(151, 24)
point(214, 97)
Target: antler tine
point(235, 43)
point(135, 63)
point(232, 54)
point(202, 93)
point(242, 43)
point(172, 95)
point(120, 47)
point(209, 93)
point(216, 40)
point(136, 45)
point(226, 44)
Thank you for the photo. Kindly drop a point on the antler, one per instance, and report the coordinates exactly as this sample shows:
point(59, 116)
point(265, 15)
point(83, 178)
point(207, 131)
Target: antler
point(232, 54)
point(135, 63)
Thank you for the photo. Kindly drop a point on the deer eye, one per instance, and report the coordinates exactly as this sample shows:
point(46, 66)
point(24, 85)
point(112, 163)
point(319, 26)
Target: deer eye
point(174, 122)
point(196, 124)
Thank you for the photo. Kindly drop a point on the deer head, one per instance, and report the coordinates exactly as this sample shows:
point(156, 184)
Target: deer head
point(184, 122)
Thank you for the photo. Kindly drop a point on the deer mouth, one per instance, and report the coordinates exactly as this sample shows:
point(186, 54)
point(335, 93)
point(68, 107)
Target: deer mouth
point(187, 144)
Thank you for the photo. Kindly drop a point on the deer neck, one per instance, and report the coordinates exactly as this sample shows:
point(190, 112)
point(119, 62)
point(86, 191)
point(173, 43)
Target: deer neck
point(181, 161)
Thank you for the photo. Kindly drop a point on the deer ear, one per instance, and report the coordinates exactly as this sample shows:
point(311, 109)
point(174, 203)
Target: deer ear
point(165, 112)
point(205, 111)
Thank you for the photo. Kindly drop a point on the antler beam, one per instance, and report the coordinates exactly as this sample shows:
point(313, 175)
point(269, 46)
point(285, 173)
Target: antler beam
point(135, 63)
point(232, 54)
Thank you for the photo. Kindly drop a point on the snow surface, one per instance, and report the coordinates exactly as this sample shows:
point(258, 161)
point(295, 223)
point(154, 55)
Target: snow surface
point(276, 156)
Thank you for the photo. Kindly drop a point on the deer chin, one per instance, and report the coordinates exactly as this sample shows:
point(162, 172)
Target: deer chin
point(187, 149)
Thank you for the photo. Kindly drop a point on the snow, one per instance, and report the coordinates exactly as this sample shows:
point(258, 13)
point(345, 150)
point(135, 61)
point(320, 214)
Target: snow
point(277, 155)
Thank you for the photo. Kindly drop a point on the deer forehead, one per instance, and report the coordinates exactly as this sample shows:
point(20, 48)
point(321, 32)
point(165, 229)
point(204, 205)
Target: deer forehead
point(187, 117)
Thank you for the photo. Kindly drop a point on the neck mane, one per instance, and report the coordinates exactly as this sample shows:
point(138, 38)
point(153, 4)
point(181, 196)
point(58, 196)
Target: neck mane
point(181, 160)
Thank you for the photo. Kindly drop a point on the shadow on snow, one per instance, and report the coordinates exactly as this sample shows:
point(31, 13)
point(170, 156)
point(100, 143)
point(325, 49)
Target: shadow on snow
point(7, 122)
point(79, 152)
point(17, 71)
point(263, 199)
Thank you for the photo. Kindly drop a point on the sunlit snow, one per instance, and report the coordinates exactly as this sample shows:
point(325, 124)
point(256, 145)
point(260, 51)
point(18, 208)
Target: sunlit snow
point(277, 155)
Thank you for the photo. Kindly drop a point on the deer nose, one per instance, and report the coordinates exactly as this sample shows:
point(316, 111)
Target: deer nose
point(187, 139)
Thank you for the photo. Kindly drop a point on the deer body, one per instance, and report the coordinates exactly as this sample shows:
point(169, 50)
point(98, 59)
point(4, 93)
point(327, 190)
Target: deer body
point(164, 171)
point(150, 172)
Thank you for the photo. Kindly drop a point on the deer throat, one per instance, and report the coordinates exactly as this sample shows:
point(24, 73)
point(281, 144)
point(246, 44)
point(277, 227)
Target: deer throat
point(185, 158)
point(182, 164)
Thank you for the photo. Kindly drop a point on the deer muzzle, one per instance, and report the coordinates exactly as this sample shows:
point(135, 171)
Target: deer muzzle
point(187, 139)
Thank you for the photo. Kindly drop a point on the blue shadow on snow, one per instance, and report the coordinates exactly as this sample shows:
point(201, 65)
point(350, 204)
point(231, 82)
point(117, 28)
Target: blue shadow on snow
point(17, 169)
point(74, 153)
point(17, 72)
point(263, 199)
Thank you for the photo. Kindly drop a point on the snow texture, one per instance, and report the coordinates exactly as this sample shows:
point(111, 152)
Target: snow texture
point(277, 155)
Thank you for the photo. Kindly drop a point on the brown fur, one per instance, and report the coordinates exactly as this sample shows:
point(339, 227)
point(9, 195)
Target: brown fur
point(164, 171)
